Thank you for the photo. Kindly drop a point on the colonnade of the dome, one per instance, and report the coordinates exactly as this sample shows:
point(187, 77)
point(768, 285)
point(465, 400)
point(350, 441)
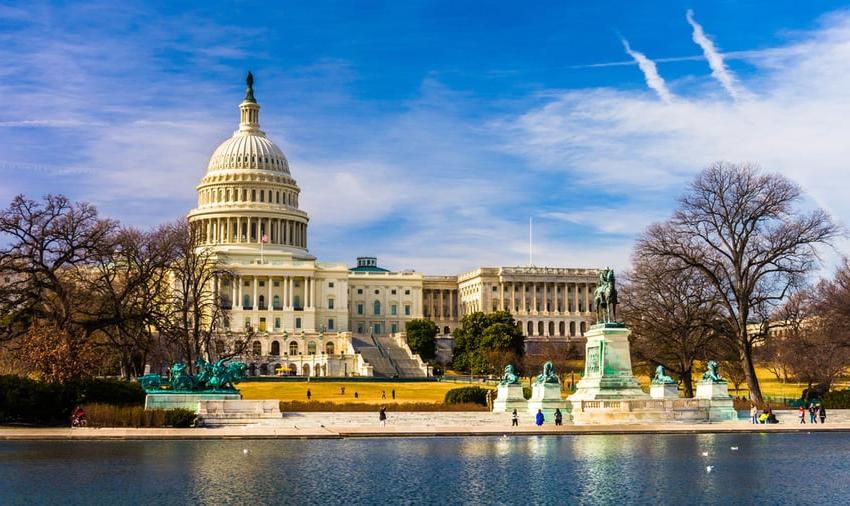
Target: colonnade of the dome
point(251, 230)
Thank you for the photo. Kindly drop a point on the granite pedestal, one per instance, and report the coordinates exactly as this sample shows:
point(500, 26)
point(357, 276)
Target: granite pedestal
point(721, 406)
point(509, 398)
point(185, 400)
point(547, 397)
point(664, 391)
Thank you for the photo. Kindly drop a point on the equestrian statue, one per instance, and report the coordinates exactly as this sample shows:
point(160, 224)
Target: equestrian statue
point(605, 297)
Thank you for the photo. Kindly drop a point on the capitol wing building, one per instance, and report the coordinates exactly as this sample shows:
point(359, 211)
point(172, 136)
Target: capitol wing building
point(311, 318)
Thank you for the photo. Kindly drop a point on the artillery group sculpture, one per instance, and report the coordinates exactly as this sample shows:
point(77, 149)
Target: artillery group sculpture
point(215, 377)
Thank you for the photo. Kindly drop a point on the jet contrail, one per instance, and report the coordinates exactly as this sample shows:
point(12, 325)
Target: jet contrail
point(715, 59)
point(650, 72)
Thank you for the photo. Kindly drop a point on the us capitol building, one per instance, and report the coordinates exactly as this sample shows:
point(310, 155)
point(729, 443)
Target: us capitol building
point(328, 319)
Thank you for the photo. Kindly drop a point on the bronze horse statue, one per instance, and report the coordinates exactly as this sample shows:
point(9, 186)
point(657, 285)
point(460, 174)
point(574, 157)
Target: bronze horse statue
point(605, 297)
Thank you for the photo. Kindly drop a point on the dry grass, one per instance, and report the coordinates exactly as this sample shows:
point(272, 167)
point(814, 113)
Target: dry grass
point(368, 393)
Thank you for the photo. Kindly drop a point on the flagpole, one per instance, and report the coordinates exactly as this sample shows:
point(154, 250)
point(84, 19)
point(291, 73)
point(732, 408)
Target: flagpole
point(530, 242)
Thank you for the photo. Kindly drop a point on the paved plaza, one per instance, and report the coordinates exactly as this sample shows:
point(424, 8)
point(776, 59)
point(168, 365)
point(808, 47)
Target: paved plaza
point(410, 424)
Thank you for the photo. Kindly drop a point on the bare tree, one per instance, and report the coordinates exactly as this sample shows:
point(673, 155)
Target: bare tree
point(46, 250)
point(194, 314)
point(740, 229)
point(673, 313)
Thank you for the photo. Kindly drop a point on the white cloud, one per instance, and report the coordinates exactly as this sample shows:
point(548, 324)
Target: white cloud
point(650, 73)
point(715, 59)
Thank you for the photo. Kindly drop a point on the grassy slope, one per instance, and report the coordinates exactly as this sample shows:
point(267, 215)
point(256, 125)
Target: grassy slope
point(369, 393)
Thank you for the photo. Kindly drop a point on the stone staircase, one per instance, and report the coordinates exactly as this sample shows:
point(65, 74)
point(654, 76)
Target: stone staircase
point(388, 359)
point(374, 355)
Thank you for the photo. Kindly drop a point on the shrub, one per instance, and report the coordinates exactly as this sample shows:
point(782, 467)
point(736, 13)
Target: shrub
point(465, 395)
point(24, 400)
point(526, 392)
point(106, 415)
point(837, 399)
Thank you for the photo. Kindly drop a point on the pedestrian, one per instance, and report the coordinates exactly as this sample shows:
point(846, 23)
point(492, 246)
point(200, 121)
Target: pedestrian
point(393, 393)
point(559, 418)
point(754, 413)
point(382, 416)
point(802, 415)
point(514, 419)
point(341, 390)
point(309, 394)
point(383, 394)
point(355, 394)
point(539, 418)
point(822, 413)
point(813, 415)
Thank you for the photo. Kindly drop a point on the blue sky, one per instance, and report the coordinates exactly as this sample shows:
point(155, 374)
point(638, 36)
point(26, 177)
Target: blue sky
point(427, 133)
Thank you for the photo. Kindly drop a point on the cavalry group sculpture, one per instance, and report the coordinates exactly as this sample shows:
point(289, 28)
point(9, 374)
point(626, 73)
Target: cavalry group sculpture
point(211, 377)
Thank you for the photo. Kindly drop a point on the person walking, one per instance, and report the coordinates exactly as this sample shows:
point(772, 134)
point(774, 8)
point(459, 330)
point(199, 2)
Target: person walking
point(802, 415)
point(382, 416)
point(822, 413)
point(383, 395)
point(559, 418)
point(754, 413)
point(539, 418)
point(309, 394)
point(514, 419)
point(813, 416)
point(355, 395)
point(393, 393)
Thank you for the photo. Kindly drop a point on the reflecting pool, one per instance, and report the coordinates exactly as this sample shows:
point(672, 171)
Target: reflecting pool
point(612, 469)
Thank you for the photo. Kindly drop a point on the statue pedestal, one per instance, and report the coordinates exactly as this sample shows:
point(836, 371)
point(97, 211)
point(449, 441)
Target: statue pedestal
point(238, 412)
point(547, 397)
point(721, 406)
point(608, 366)
point(664, 391)
point(509, 397)
point(187, 400)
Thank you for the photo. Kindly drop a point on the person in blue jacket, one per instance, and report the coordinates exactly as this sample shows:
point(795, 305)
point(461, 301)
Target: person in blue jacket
point(539, 419)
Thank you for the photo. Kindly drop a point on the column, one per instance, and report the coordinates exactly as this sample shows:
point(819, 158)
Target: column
point(442, 305)
point(239, 292)
point(234, 297)
point(289, 292)
point(575, 299)
point(534, 296)
point(513, 297)
point(307, 292)
point(545, 297)
point(254, 300)
point(269, 296)
point(587, 297)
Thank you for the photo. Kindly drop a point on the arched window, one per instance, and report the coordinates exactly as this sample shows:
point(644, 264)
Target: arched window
point(264, 369)
point(318, 370)
point(306, 369)
point(572, 328)
point(551, 328)
point(377, 307)
point(262, 300)
point(582, 328)
point(529, 329)
point(256, 348)
point(561, 329)
point(311, 348)
point(329, 348)
point(446, 330)
point(539, 328)
point(246, 301)
point(293, 369)
point(293, 347)
point(275, 348)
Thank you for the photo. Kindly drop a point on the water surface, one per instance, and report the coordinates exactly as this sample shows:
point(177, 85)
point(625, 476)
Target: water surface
point(609, 469)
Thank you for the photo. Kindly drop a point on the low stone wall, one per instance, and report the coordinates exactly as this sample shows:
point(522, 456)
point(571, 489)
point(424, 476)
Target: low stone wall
point(238, 412)
point(647, 410)
point(185, 400)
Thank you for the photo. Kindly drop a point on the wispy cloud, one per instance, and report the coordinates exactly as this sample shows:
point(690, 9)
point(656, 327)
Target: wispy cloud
point(650, 72)
point(715, 59)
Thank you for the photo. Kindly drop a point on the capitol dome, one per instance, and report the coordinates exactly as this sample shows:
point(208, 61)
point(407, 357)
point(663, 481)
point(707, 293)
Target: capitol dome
point(248, 198)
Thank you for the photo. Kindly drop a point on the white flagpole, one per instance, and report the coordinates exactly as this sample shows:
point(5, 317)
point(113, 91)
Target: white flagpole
point(530, 242)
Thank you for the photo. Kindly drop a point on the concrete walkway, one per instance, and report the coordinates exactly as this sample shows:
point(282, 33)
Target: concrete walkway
point(409, 424)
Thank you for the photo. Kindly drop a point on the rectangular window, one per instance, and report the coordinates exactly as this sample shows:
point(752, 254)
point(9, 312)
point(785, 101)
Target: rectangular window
point(359, 328)
point(253, 195)
point(407, 292)
point(392, 292)
point(407, 309)
point(330, 323)
point(262, 283)
point(359, 308)
point(277, 323)
point(376, 328)
point(393, 309)
point(330, 303)
point(247, 323)
point(331, 284)
point(360, 291)
point(277, 283)
point(298, 323)
point(394, 328)
point(262, 196)
point(226, 282)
